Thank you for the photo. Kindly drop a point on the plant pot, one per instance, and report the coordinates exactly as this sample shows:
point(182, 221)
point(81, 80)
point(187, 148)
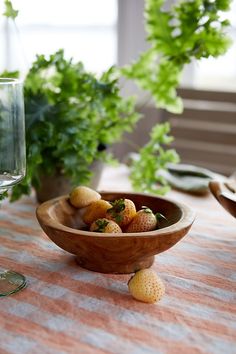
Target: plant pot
point(56, 185)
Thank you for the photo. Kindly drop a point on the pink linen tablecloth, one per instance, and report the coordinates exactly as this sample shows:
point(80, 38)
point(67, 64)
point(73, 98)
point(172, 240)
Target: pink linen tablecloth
point(67, 309)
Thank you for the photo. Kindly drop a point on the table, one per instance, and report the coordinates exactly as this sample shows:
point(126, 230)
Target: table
point(67, 309)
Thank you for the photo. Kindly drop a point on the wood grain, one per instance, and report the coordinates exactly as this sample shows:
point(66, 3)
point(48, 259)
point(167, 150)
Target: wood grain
point(114, 253)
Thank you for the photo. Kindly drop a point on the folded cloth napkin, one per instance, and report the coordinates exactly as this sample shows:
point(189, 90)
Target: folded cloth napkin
point(189, 178)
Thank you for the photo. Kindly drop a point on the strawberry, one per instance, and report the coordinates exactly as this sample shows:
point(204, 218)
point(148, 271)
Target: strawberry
point(105, 225)
point(144, 220)
point(96, 210)
point(146, 286)
point(122, 211)
point(82, 196)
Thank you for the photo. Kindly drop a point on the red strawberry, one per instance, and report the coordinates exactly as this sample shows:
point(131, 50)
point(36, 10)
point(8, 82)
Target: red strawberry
point(144, 220)
point(122, 211)
point(105, 225)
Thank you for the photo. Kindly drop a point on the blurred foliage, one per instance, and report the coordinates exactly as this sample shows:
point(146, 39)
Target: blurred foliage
point(188, 30)
point(10, 12)
point(153, 157)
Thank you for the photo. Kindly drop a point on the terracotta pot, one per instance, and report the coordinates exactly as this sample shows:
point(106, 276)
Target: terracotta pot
point(56, 185)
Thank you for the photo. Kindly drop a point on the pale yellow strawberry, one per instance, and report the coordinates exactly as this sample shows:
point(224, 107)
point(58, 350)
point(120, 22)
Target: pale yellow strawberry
point(106, 226)
point(146, 286)
point(82, 196)
point(122, 211)
point(143, 221)
point(96, 210)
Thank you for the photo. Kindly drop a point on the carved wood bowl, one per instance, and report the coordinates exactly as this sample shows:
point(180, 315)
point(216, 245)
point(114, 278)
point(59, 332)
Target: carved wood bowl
point(114, 253)
point(225, 194)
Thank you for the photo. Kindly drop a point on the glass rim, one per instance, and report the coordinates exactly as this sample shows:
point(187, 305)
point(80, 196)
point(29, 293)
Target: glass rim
point(9, 81)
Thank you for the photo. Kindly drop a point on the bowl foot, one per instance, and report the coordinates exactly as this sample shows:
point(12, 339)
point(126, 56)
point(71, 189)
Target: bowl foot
point(115, 268)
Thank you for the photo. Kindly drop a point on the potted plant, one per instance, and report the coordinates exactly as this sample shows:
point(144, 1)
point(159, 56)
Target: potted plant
point(71, 117)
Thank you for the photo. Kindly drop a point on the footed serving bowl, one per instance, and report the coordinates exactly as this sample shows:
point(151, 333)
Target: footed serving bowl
point(114, 253)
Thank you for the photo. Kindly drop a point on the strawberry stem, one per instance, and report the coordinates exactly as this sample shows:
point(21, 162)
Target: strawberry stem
point(117, 207)
point(146, 209)
point(101, 224)
point(160, 216)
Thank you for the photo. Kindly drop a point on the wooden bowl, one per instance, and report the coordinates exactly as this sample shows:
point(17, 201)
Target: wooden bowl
point(225, 194)
point(114, 253)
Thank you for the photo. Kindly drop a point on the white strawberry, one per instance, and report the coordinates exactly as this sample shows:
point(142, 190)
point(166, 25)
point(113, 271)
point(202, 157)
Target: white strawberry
point(146, 286)
point(106, 226)
point(82, 196)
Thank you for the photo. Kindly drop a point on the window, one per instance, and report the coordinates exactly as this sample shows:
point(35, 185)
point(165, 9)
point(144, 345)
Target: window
point(85, 29)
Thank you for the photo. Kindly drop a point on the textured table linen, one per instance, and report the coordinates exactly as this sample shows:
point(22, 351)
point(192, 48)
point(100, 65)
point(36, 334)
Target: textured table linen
point(67, 309)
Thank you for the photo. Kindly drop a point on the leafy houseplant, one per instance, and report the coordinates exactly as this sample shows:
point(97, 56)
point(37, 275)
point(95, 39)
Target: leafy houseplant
point(70, 117)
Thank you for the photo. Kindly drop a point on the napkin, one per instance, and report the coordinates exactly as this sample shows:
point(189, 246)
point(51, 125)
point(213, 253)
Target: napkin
point(185, 177)
point(189, 178)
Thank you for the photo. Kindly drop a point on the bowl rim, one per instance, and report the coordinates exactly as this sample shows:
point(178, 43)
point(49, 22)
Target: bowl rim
point(186, 220)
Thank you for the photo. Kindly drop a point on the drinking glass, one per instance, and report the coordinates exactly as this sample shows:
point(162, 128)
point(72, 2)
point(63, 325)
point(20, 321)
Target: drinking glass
point(12, 159)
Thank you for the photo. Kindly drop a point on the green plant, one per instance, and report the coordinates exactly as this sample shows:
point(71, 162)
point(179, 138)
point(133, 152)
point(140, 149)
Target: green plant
point(9, 12)
point(189, 30)
point(70, 115)
point(152, 158)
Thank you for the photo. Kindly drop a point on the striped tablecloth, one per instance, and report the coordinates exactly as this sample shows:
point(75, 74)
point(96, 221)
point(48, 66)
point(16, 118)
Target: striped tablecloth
point(67, 309)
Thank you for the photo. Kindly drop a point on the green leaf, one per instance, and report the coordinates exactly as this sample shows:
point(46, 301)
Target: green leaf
point(3, 195)
point(101, 225)
point(160, 216)
point(10, 74)
point(10, 12)
point(153, 157)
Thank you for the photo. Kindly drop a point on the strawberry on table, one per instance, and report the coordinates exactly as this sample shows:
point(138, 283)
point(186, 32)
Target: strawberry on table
point(144, 220)
point(122, 211)
point(96, 210)
point(105, 225)
point(146, 286)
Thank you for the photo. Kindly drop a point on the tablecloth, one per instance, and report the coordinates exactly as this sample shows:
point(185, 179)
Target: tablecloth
point(67, 309)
